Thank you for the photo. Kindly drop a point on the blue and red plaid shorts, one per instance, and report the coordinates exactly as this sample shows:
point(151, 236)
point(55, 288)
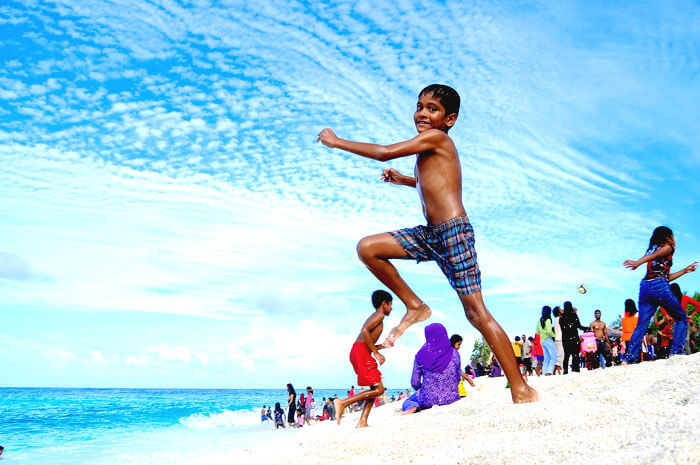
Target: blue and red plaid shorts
point(451, 245)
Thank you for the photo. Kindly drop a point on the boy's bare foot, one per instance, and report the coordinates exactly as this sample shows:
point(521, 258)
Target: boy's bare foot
point(524, 395)
point(412, 316)
point(339, 409)
point(362, 424)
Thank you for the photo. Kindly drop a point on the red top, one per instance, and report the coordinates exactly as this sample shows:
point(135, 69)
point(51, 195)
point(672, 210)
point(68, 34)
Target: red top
point(685, 302)
point(661, 266)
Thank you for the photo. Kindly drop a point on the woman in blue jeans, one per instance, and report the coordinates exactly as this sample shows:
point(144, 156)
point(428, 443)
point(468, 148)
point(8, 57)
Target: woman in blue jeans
point(654, 291)
point(546, 332)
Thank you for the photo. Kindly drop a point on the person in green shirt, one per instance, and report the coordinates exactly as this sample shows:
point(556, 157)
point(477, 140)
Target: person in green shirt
point(546, 332)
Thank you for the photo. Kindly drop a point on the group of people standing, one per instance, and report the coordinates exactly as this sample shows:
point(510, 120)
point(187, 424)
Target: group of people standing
point(557, 345)
point(302, 410)
point(557, 342)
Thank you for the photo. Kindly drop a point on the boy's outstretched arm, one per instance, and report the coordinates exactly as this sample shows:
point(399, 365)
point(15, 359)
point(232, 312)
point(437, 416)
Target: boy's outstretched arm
point(423, 142)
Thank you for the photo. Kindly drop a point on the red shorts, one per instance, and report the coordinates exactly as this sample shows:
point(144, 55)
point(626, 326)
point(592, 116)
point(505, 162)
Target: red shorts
point(365, 365)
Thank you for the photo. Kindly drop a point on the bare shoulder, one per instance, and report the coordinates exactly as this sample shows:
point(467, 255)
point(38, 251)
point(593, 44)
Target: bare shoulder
point(438, 141)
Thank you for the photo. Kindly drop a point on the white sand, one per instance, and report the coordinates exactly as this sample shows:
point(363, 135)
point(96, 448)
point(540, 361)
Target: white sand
point(637, 414)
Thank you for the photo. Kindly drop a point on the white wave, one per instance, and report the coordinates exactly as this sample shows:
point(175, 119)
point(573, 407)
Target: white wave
point(227, 418)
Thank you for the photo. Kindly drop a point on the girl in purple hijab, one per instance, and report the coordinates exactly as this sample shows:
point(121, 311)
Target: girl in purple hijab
point(436, 371)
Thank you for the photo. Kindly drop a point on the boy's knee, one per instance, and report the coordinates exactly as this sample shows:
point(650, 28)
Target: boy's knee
point(364, 249)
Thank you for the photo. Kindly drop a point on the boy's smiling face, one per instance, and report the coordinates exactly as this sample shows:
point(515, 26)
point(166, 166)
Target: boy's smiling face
point(430, 114)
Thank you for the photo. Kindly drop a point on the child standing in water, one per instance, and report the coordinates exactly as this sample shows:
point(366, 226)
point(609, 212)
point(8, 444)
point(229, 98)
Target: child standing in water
point(448, 238)
point(364, 365)
point(655, 291)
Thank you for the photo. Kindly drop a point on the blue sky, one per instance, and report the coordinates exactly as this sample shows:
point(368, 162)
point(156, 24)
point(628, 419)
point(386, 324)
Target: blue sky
point(168, 221)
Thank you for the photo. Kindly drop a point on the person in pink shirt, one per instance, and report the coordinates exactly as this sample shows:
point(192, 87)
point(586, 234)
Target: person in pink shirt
point(307, 406)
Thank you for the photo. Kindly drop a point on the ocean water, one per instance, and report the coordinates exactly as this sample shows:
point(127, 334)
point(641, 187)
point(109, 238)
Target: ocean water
point(59, 426)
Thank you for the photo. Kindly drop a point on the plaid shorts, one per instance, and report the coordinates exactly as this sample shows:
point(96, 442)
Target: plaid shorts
point(451, 245)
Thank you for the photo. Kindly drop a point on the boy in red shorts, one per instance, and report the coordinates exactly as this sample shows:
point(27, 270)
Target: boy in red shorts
point(365, 366)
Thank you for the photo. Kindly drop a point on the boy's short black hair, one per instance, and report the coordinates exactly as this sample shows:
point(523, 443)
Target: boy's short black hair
point(379, 297)
point(449, 98)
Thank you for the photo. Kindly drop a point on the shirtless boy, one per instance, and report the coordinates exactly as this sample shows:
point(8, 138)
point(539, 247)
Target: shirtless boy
point(365, 366)
point(448, 237)
point(601, 336)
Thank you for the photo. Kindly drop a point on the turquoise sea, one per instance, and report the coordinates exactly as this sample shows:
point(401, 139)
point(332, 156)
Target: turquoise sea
point(63, 426)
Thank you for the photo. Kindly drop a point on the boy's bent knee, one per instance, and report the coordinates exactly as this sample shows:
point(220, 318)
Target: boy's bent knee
point(364, 249)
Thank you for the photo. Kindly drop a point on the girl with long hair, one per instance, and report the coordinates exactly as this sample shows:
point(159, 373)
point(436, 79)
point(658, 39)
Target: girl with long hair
point(291, 403)
point(570, 324)
point(546, 332)
point(655, 291)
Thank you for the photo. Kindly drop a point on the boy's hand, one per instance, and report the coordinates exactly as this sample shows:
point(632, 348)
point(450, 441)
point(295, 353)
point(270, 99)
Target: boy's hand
point(631, 264)
point(327, 138)
point(692, 267)
point(380, 358)
point(391, 175)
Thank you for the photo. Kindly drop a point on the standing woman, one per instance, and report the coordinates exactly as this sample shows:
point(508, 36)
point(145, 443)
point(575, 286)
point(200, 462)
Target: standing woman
point(570, 324)
point(558, 339)
point(291, 404)
point(655, 291)
point(544, 329)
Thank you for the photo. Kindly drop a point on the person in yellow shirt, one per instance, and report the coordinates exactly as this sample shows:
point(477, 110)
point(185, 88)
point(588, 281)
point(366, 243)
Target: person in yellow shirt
point(518, 349)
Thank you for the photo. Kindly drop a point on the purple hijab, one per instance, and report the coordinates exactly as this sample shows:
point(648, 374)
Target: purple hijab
point(436, 353)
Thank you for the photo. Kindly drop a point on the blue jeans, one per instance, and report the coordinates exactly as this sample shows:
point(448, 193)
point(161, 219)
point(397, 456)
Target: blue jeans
point(653, 294)
point(550, 356)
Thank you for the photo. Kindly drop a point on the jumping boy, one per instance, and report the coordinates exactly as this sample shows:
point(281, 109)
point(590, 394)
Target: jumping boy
point(365, 366)
point(448, 237)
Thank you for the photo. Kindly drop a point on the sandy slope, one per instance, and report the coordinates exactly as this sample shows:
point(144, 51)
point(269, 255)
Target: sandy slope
point(638, 414)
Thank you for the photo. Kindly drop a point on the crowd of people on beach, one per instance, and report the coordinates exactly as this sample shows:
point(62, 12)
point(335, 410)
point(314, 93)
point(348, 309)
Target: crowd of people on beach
point(557, 346)
point(304, 411)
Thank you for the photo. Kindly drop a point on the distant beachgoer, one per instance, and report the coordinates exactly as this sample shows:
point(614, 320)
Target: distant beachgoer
point(301, 405)
point(263, 415)
point(538, 354)
point(616, 352)
point(291, 404)
point(690, 306)
point(527, 354)
point(2, 449)
point(279, 416)
point(456, 342)
point(558, 344)
point(364, 365)
point(570, 324)
point(518, 350)
point(300, 419)
point(495, 368)
point(603, 342)
point(436, 372)
point(629, 321)
point(309, 405)
point(330, 408)
point(654, 290)
point(544, 329)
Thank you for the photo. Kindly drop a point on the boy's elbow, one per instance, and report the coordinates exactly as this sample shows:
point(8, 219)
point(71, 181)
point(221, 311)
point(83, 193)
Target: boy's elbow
point(384, 154)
